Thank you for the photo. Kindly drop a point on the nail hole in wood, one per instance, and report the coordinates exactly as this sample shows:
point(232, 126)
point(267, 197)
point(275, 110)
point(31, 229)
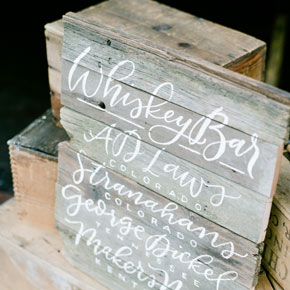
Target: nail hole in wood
point(109, 42)
point(102, 105)
point(161, 27)
point(184, 44)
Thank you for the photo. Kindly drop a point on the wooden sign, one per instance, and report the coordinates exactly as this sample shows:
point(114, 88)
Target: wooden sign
point(168, 179)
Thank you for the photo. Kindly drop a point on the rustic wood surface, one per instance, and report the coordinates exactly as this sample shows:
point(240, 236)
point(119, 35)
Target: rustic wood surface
point(55, 88)
point(137, 90)
point(276, 286)
point(232, 49)
point(247, 215)
point(221, 45)
point(205, 39)
point(31, 259)
point(68, 164)
point(34, 178)
point(264, 283)
point(276, 257)
point(41, 136)
point(282, 196)
point(154, 128)
point(195, 88)
point(33, 156)
point(276, 50)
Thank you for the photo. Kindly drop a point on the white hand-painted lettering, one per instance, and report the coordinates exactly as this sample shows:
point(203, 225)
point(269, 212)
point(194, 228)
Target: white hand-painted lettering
point(176, 126)
point(183, 178)
point(99, 176)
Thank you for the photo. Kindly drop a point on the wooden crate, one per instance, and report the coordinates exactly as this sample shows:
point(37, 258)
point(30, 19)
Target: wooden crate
point(182, 32)
point(162, 185)
point(276, 258)
point(33, 156)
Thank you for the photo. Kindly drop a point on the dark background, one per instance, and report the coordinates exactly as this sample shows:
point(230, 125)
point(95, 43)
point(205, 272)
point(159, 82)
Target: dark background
point(24, 91)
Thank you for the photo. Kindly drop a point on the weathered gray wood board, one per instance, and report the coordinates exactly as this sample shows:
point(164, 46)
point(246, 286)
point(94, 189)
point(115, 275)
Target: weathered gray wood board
point(111, 213)
point(183, 32)
point(179, 115)
point(177, 133)
point(276, 257)
point(41, 136)
point(173, 28)
point(220, 200)
point(150, 67)
point(31, 257)
point(33, 158)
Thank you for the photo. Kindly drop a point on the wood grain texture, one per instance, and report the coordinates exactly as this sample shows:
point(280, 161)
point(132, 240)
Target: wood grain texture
point(130, 208)
point(276, 286)
point(246, 216)
point(223, 46)
point(31, 259)
point(154, 127)
point(276, 250)
point(264, 283)
point(41, 136)
point(282, 195)
point(232, 49)
point(34, 179)
point(33, 156)
point(205, 39)
point(276, 257)
point(195, 88)
point(54, 77)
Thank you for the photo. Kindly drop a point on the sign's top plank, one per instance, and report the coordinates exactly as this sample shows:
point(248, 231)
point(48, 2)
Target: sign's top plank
point(252, 106)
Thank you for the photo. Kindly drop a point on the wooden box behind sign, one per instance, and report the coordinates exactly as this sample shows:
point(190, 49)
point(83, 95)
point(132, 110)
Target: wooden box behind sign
point(172, 162)
point(33, 156)
point(192, 35)
point(276, 257)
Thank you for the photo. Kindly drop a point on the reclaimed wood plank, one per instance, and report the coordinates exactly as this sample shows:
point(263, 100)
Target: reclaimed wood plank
point(230, 48)
point(276, 286)
point(195, 88)
point(264, 283)
point(34, 178)
point(277, 243)
point(95, 186)
point(276, 50)
point(31, 259)
point(247, 55)
point(186, 134)
point(33, 156)
point(220, 200)
point(225, 45)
